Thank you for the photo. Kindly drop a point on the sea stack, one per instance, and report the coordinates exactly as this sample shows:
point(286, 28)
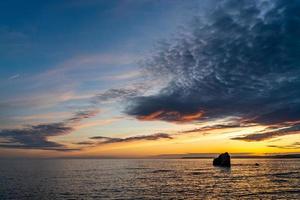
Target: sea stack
point(223, 160)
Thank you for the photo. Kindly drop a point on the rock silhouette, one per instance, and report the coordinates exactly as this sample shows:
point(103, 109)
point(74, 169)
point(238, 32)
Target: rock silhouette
point(223, 160)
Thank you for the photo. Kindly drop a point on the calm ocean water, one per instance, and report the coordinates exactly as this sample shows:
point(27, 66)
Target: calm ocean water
point(149, 179)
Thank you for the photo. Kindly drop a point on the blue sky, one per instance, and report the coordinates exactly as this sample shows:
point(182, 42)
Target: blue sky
point(162, 76)
point(56, 56)
point(40, 36)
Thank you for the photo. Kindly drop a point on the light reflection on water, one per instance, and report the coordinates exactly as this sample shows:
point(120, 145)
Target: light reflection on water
point(149, 179)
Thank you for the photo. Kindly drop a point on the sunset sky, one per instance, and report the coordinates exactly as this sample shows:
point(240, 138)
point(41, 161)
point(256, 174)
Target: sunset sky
point(149, 77)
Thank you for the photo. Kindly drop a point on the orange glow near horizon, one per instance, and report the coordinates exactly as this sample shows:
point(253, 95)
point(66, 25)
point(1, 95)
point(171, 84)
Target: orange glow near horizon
point(213, 141)
point(199, 141)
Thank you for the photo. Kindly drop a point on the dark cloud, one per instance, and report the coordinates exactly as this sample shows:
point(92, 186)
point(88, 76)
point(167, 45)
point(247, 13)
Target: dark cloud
point(242, 58)
point(110, 140)
point(269, 134)
point(36, 136)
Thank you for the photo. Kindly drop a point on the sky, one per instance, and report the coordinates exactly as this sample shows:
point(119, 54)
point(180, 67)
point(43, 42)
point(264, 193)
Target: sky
point(136, 78)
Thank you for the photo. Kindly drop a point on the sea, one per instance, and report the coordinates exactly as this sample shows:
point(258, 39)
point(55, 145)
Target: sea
point(148, 179)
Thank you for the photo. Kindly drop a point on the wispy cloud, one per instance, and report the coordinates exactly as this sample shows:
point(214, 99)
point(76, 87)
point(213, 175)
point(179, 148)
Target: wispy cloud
point(42, 99)
point(208, 128)
point(269, 134)
point(125, 75)
point(204, 130)
point(14, 77)
point(87, 62)
point(61, 84)
point(80, 115)
point(100, 122)
point(50, 116)
point(295, 145)
point(100, 140)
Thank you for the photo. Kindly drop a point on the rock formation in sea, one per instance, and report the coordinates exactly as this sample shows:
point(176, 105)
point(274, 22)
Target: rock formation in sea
point(223, 160)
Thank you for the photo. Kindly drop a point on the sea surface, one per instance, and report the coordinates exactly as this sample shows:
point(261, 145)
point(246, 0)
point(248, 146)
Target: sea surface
point(149, 179)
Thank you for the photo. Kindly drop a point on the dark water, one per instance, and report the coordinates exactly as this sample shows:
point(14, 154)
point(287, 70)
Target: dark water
point(148, 179)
